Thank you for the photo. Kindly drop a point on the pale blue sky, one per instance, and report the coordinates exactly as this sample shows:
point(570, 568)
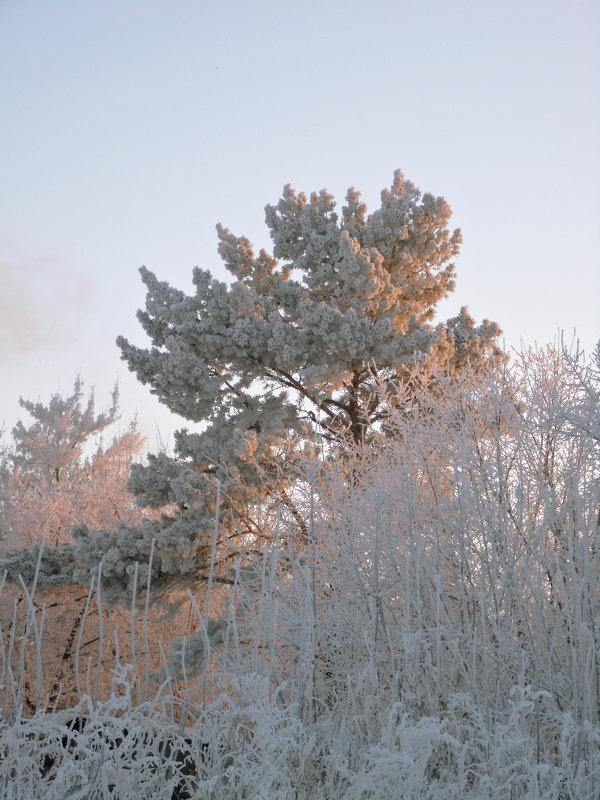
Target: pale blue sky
point(128, 129)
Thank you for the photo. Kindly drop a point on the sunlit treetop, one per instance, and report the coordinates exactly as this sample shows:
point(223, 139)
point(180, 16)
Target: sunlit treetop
point(343, 298)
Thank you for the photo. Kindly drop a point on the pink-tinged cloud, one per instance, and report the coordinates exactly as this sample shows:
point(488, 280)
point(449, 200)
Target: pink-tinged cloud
point(43, 304)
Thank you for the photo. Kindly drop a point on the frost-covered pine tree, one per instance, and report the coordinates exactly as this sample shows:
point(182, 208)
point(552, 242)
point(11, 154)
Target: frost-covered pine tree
point(57, 472)
point(299, 340)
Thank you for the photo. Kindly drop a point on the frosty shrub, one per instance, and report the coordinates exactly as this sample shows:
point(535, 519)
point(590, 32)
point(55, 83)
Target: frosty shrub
point(299, 339)
point(435, 637)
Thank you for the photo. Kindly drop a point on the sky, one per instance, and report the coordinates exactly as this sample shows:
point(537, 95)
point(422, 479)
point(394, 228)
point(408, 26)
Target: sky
point(129, 128)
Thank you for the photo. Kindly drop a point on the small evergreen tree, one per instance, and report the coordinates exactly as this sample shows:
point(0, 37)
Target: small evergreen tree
point(296, 346)
point(57, 472)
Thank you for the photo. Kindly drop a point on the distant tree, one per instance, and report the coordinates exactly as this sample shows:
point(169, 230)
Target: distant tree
point(57, 471)
point(297, 346)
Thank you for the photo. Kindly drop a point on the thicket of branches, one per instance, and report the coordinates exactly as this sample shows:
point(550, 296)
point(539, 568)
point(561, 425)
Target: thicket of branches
point(434, 635)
